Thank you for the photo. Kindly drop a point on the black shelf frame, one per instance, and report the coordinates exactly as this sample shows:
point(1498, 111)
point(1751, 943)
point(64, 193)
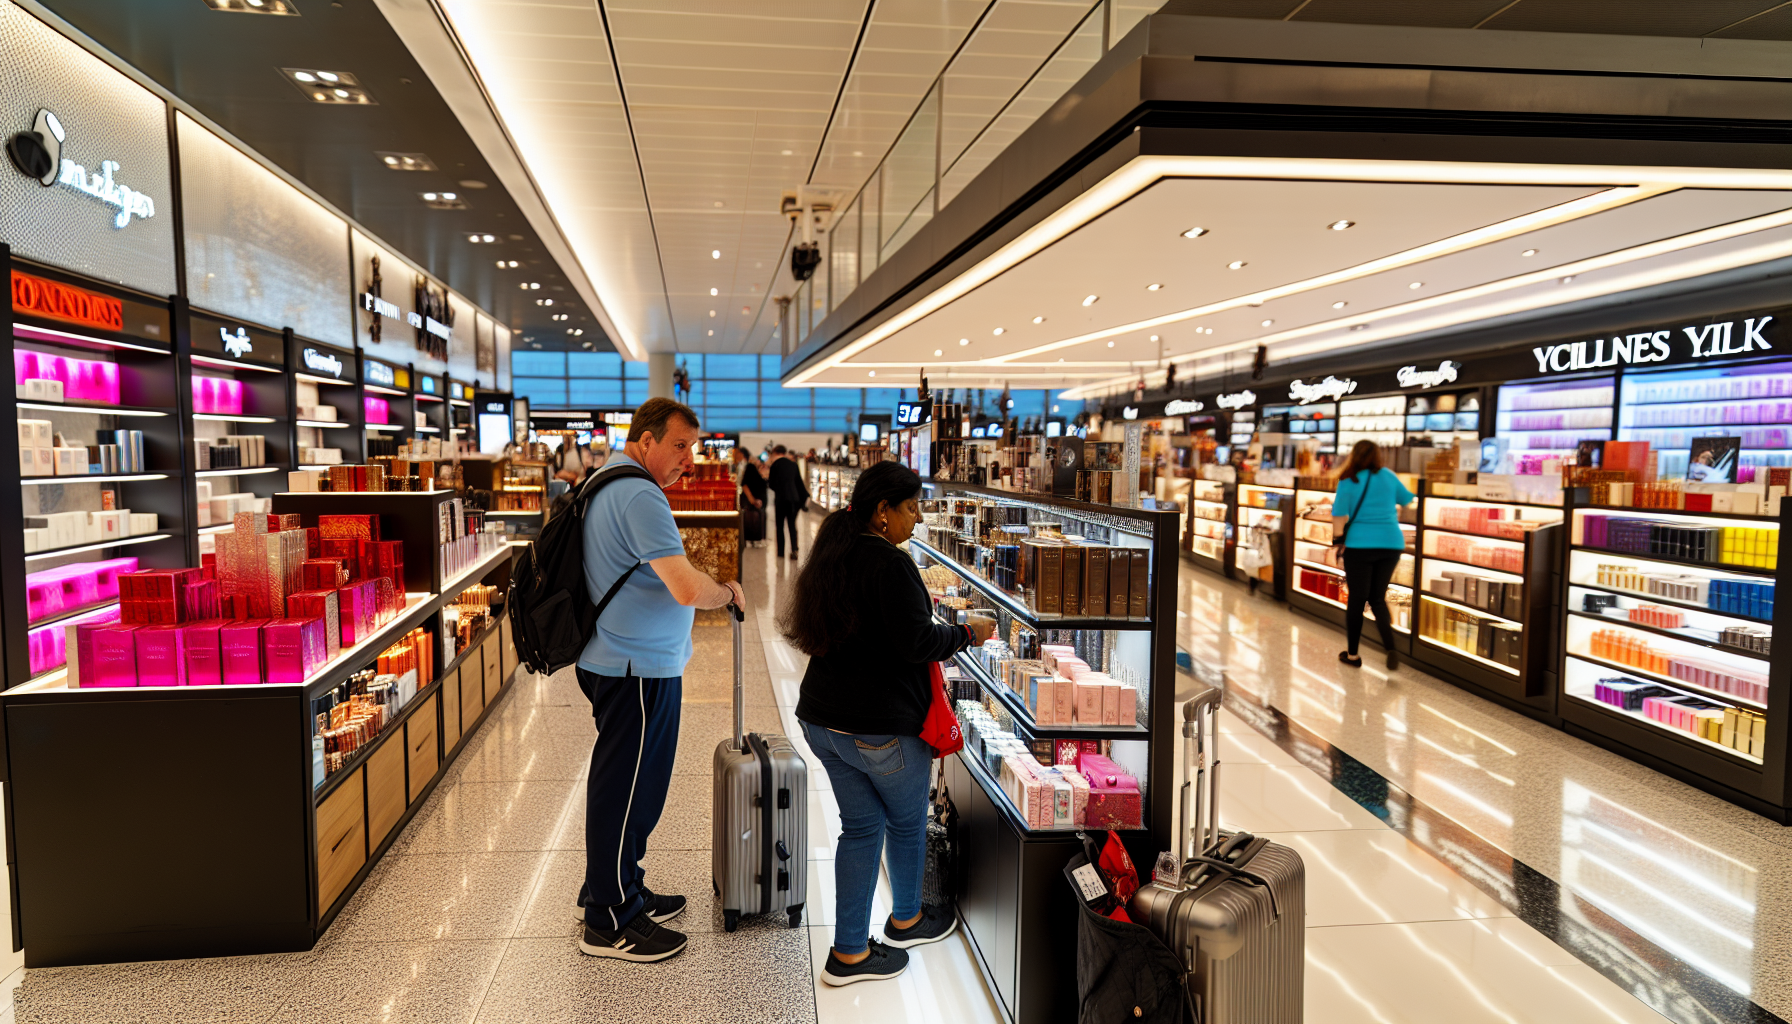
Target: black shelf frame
point(1013, 606)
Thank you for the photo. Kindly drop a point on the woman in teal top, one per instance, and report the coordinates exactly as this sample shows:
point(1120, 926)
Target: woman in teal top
point(1365, 513)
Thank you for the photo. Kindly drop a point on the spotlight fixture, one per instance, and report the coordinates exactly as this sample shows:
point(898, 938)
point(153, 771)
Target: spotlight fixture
point(870, 372)
point(1416, 285)
point(1268, 323)
point(1001, 331)
point(939, 352)
point(964, 341)
point(337, 87)
point(559, 316)
point(1340, 304)
point(715, 291)
point(1194, 232)
point(1039, 319)
point(254, 7)
point(1528, 252)
point(1110, 344)
point(486, 239)
point(508, 264)
point(442, 200)
point(712, 334)
point(1236, 265)
point(715, 254)
point(1091, 300)
point(529, 286)
point(1154, 337)
point(544, 302)
point(1568, 279)
point(1153, 287)
point(406, 161)
point(1340, 225)
point(712, 312)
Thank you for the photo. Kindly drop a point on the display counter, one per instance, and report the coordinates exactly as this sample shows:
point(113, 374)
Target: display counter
point(1210, 525)
point(1263, 536)
point(1074, 693)
point(1316, 577)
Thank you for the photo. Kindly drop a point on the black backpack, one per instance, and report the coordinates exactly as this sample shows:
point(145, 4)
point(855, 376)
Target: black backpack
point(551, 615)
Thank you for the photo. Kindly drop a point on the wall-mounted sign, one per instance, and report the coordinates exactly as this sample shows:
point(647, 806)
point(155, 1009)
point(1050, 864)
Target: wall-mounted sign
point(1719, 340)
point(1131, 412)
point(496, 407)
point(1413, 377)
point(1237, 399)
point(43, 298)
point(225, 341)
point(1182, 407)
point(322, 362)
point(37, 153)
point(457, 391)
point(427, 385)
point(1329, 389)
point(910, 414)
point(238, 344)
point(376, 372)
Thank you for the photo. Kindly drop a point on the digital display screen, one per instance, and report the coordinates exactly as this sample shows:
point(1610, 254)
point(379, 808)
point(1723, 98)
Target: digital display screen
point(1415, 421)
point(868, 433)
point(1054, 429)
point(1440, 421)
point(909, 414)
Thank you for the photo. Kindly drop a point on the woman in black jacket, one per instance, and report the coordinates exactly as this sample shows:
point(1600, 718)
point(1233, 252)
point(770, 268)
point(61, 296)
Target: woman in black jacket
point(864, 618)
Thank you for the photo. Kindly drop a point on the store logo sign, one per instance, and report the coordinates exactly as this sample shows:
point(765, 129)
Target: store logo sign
point(1413, 377)
point(1330, 388)
point(380, 373)
point(380, 307)
point(1236, 400)
point(1718, 339)
point(238, 344)
point(1630, 350)
point(1182, 407)
point(38, 154)
point(323, 362)
point(61, 302)
point(1131, 412)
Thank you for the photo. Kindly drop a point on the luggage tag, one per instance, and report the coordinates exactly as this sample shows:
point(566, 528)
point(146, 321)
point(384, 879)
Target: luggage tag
point(1168, 871)
point(1089, 882)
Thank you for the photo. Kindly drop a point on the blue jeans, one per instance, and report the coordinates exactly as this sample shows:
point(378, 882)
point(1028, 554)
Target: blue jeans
point(631, 771)
point(881, 785)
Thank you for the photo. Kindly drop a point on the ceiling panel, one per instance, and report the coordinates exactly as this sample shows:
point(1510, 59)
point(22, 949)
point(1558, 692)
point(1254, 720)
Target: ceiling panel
point(1774, 25)
point(1426, 13)
point(1627, 17)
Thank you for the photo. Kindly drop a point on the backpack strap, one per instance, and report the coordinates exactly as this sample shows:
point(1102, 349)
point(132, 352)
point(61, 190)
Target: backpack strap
point(582, 501)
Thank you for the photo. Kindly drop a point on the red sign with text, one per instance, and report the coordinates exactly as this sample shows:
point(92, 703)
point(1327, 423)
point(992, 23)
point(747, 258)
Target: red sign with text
point(62, 302)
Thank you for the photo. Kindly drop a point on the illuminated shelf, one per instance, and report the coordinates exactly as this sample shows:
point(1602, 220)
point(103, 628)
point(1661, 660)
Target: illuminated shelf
point(460, 401)
point(429, 430)
point(38, 481)
point(1675, 634)
point(322, 380)
point(520, 512)
point(1744, 570)
point(101, 546)
point(427, 398)
point(95, 409)
point(1368, 615)
point(1500, 574)
point(1013, 606)
point(1470, 655)
point(1434, 599)
point(1678, 684)
point(1018, 708)
point(1664, 727)
point(1632, 511)
point(1658, 599)
point(322, 424)
point(1477, 536)
point(239, 471)
point(385, 426)
point(220, 417)
point(385, 391)
point(77, 613)
point(220, 528)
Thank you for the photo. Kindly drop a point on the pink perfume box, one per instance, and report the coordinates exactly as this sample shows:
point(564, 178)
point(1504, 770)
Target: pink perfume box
point(205, 666)
point(358, 609)
point(114, 656)
point(285, 651)
point(240, 652)
point(1064, 702)
point(1088, 703)
point(1128, 711)
point(161, 656)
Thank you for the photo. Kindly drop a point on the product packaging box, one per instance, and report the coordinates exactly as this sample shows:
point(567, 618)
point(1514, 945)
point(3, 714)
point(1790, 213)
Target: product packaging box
point(1071, 593)
point(205, 665)
point(1139, 606)
point(1110, 703)
point(1088, 703)
point(114, 656)
point(1064, 697)
point(161, 656)
point(241, 656)
point(321, 605)
point(1119, 582)
point(1095, 581)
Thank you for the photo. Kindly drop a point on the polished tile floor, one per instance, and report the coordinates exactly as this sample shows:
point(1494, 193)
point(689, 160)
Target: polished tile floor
point(1464, 864)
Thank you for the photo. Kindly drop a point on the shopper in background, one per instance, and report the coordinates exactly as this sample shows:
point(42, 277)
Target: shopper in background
point(752, 497)
point(864, 618)
point(787, 487)
point(632, 672)
point(1365, 514)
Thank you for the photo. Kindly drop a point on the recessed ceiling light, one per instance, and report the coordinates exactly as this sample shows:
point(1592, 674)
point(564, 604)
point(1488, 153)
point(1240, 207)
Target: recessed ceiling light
point(788, 153)
point(1359, 327)
point(939, 352)
point(559, 316)
point(473, 183)
point(1000, 331)
point(712, 312)
point(1268, 323)
point(1039, 319)
point(329, 76)
point(1153, 287)
point(718, 204)
point(1340, 225)
point(544, 302)
point(406, 161)
point(1416, 285)
point(529, 286)
point(253, 7)
point(713, 291)
point(1236, 265)
point(304, 76)
point(1528, 252)
point(964, 341)
point(1194, 232)
point(341, 94)
point(870, 372)
point(345, 88)
point(1110, 344)
point(1154, 337)
point(712, 334)
point(1340, 304)
point(442, 200)
point(1567, 279)
point(715, 254)
point(1090, 301)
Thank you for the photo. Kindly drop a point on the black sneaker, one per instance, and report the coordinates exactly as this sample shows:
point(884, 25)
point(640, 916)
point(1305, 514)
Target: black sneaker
point(660, 908)
point(640, 941)
point(935, 924)
point(882, 964)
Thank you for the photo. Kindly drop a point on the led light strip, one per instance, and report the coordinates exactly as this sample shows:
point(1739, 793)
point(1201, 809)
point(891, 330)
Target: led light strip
point(1143, 171)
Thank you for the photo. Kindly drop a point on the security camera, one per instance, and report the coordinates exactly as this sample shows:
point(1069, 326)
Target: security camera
point(804, 258)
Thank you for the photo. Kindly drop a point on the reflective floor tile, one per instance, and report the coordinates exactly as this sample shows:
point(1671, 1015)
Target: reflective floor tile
point(490, 816)
point(942, 983)
point(414, 982)
point(821, 897)
point(1271, 798)
point(1367, 876)
point(440, 896)
point(227, 990)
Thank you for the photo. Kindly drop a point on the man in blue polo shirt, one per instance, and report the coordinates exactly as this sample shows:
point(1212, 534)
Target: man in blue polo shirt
point(632, 671)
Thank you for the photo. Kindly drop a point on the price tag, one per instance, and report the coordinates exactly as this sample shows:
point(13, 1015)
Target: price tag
point(1089, 881)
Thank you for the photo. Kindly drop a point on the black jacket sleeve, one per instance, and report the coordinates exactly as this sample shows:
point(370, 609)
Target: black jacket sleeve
point(907, 613)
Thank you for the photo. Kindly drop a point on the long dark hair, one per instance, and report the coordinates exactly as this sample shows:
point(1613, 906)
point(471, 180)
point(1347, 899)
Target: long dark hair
point(821, 613)
point(1365, 455)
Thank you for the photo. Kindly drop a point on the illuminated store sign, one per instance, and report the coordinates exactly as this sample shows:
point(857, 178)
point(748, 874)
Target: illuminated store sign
point(1182, 407)
point(496, 407)
point(323, 362)
point(1706, 341)
point(910, 414)
point(1131, 412)
point(38, 154)
point(238, 344)
point(61, 302)
point(380, 307)
point(379, 373)
point(1413, 377)
point(1331, 388)
point(1236, 400)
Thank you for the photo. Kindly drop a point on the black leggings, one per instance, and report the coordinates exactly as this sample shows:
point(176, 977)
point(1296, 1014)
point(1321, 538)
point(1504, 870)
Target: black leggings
point(1368, 571)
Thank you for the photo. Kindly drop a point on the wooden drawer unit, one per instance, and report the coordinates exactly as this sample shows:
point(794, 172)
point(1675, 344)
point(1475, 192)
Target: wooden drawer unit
point(341, 839)
point(506, 649)
point(450, 710)
point(385, 788)
point(472, 693)
point(420, 748)
point(488, 651)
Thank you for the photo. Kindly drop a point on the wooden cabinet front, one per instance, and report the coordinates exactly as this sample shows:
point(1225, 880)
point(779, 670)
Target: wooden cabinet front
point(420, 746)
point(450, 710)
point(385, 788)
point(472, 692)
point(341, 839)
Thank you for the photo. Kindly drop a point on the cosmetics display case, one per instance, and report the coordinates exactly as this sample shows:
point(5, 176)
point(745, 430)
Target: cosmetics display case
point(1382, 420)
point(1443, 419)
point(1750, 401)
point(243, 433)
point(459, 411)
point(1210, 525)
point(429, 400)
point(1668, 650)
point(1316, 574)
point(830, 487)
point(1263, 535)
point(390, 410)
point(1243, 425)
point(1285, 426)
point(1540, 421)
point(1068, 710)
point(264, 811)
point(329, 412)
point(1486, 600)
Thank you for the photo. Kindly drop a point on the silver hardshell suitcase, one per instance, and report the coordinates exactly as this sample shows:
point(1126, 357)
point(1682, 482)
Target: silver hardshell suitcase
point(759, 850)
point(1237, 919)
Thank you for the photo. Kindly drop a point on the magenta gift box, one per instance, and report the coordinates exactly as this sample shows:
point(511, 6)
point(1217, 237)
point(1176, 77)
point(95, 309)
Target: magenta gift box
point(205, 666)
point(378, 409)
point(358, 609)
point(161, 656)
point(114, 657)
point(240, 652)
point(294, 648)
point(217, 395)
point(69, 587)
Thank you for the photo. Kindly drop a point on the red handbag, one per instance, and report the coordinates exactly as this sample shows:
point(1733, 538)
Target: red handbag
point(941, 729)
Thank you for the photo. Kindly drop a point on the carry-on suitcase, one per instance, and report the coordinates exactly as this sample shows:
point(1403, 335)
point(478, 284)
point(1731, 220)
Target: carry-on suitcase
point(759, 850)
point(1237, 915)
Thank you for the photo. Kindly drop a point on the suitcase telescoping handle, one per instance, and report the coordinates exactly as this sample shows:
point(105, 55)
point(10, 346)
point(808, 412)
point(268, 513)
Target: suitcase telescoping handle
point(1202, 773)
point(735, 617)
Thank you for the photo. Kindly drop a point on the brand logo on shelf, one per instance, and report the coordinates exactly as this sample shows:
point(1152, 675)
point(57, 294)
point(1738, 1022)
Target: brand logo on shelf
point(1130, 413)
point(1413, 377)
point(61, 302)
point(238, 344)
point(1182, 407)
point(1236, 400)
point(37, 153)
point(1331, 387)
point(379, 373)
point(495, 407)
point(323, 362)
